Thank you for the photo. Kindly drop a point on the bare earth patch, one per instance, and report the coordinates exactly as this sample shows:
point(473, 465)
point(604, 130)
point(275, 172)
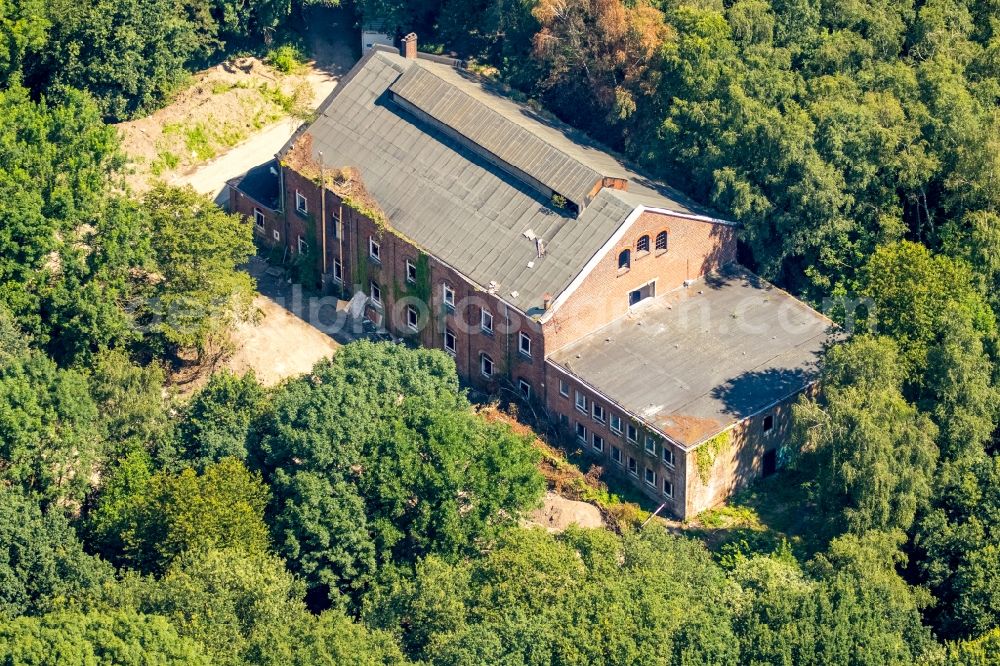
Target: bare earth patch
point(280, 346)
point(276, 345)
point(224, 106)
point(239, 100)
point(557, 513)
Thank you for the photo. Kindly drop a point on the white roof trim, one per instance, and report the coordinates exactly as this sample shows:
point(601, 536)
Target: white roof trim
point(611, 242)
point(590, 265)
point(691, 216)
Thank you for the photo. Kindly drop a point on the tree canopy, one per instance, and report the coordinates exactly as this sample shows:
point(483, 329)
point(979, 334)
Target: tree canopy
point(364, 513)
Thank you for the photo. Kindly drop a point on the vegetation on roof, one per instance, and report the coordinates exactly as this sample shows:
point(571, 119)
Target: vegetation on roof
point(364, 513)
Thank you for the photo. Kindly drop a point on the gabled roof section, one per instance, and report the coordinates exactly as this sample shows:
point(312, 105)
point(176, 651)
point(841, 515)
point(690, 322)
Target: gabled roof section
point(513, 142)
point(458, 200)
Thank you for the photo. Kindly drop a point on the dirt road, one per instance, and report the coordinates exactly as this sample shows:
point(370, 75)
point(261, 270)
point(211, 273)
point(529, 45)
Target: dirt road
point(333, 46)
point(210, 178)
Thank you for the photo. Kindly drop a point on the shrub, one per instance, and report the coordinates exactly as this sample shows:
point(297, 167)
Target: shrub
point(286, 59)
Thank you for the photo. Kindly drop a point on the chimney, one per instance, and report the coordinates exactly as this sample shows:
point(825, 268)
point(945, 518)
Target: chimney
point(410, 46)
point(546, 300)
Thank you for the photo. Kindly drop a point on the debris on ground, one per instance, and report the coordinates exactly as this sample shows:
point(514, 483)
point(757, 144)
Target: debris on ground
point(567, 481)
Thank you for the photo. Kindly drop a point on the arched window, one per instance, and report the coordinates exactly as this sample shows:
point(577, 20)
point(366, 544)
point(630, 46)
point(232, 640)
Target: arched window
point(661, 240)
point(624, 259)
point(486, 365)
point(643, 244)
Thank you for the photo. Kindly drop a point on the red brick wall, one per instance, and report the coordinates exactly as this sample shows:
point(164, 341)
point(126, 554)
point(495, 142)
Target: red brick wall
point(435, 317)
point(306, 224)
point(695, 248)
point(563, 410)
point(245, 205)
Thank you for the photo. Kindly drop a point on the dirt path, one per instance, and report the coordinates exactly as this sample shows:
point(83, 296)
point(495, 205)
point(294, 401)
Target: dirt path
point(210, 178)
point(237, 114)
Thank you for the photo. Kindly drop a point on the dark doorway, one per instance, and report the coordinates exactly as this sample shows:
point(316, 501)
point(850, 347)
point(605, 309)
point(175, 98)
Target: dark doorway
point(770, 462)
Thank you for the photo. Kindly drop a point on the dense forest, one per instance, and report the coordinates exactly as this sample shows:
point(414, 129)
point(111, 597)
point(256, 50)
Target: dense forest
point(365, 513)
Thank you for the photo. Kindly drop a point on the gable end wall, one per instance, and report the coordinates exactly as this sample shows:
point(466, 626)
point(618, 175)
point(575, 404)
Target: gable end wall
point(695, 248)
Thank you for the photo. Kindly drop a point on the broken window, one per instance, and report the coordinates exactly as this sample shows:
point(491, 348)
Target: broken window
point(486, 365)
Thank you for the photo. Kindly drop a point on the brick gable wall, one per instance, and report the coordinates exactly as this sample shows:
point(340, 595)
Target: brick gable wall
point(694, 248)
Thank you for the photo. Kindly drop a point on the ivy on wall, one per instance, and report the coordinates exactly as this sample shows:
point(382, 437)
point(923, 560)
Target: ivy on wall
point(706, 454)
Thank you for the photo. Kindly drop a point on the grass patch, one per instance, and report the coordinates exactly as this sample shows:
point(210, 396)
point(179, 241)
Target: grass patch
point(293, 104)
point(230, 135)
point(165, 161)
point(198, 141)
point(773, 515)
point(287, 59)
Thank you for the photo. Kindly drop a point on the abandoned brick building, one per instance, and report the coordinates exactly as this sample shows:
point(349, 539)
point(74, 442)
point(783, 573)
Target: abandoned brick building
point(545, 266)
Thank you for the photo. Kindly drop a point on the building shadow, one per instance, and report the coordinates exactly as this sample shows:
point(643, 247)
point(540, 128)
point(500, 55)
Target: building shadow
point(752, 391)
point(313, 308)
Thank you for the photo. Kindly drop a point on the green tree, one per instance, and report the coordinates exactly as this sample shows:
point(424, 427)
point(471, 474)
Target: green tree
point(216, 422)
point(222, 507)
point(50, 441)
point(42, 564)
point(959, 390)
point(198, 250)
point(321, 528)
point(336, 640)
point(114, 637)
point(391, 422)
point(23, 24)
point(539, 598)
point(57, 163)
point(959, 548)
point(130, 55)
point(13, 342)
point(110, 526)
point(244, 608)
point(917, 293)
point(241, 21)
point(853, 608)
point(247, 609)
point(981, 651)
point(872, 453)
point(92, 303)
point(130, 400)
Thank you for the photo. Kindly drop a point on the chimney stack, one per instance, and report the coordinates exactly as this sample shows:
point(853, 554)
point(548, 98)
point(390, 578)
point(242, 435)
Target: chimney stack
point(546, 300)
point(410, 46)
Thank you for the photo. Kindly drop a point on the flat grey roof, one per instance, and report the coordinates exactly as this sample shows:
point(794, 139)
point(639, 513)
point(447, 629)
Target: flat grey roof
point(701, 358)
point(453, 202)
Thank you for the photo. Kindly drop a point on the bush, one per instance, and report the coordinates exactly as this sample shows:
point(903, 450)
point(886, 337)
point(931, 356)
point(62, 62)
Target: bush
point(286, 59)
